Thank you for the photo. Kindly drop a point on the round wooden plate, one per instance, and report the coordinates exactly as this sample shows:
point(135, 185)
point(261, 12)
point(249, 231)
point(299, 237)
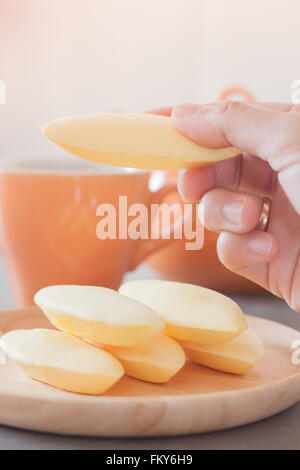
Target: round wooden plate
point(196, 400)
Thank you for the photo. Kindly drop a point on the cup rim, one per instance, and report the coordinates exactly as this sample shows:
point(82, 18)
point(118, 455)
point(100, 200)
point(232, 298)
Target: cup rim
point(62, 166)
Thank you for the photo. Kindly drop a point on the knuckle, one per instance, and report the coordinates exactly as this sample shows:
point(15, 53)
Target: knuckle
point(231, 107)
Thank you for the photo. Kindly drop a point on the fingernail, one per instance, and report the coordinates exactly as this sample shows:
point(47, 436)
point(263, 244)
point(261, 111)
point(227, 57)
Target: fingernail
point(183, 111)
point(201, 213)
point(180, 183)
point(180, 186)
point(232, 211)
point(260, 245)
point(180, 174)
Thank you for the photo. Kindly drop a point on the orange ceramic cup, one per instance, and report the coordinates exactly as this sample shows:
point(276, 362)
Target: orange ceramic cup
point(200, 267)
point(48, 224)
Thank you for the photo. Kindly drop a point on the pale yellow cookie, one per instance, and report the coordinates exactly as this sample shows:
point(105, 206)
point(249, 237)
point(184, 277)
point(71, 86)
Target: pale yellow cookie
point(99, 314)
point(236, 357)
point(158, 361)
point(191, 313)
point(61, 360)
point(144, 141)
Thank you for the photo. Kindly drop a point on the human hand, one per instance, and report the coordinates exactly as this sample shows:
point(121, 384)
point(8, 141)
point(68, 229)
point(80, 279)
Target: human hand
point(231, 191)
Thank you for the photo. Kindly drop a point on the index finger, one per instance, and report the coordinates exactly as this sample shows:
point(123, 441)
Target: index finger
point(265, 131)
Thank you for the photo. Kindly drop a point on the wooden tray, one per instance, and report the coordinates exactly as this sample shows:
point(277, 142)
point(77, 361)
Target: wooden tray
point(196, 400)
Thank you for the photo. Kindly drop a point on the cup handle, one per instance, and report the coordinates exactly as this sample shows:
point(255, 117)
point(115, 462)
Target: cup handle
point(149, 246)
point(228, 92)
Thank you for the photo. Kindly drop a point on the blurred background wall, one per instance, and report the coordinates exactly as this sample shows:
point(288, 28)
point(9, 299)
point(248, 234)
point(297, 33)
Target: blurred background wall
point(60, 57)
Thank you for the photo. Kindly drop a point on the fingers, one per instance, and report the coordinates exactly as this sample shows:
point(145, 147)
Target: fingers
point(230, 211)
point(237, 252)
point(260, 130)
point(244, 173)
point(271, 134)
point(241, 248)
point(285, 107)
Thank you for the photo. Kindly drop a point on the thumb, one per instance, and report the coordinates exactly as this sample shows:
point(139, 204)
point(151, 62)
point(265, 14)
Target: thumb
point(264, 131)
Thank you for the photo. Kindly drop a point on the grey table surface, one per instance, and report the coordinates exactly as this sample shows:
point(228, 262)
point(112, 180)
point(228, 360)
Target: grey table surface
point(278, 432)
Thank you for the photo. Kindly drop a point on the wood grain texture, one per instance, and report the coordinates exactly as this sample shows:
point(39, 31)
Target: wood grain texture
point(197, 399)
